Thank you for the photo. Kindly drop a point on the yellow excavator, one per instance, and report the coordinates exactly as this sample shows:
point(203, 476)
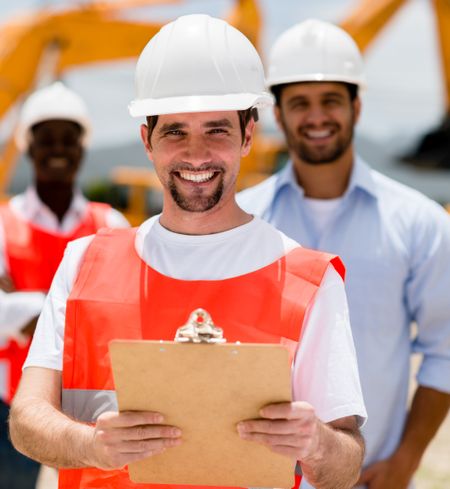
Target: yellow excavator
point(43, 45)
point(365, 22)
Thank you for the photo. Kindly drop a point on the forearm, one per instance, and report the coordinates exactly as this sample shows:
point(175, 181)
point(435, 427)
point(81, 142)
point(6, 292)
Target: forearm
point(428, 410)
point(337, 461)
point(43, 433)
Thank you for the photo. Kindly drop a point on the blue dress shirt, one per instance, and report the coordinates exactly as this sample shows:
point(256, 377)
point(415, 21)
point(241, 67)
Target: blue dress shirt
point(395, 243)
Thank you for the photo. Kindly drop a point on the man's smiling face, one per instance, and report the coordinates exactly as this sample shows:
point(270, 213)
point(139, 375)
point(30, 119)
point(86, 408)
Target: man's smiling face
point(318, 119)
point(56, 151)
point(197, 156)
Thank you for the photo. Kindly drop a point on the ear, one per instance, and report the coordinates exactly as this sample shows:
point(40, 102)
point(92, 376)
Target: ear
point(144, 138)
point(248, 137)
point(357, 108)
point(277, 115)
point(29, 151)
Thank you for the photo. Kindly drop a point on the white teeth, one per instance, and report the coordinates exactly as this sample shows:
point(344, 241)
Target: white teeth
point(318, 134)
point(197, 177)
point(57, 162)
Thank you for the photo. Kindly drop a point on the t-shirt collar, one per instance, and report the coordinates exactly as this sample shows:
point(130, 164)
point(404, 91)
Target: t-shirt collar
point(361, 178)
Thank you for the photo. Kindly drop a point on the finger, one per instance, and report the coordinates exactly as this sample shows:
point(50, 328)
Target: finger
point(145, 432)
point(128, 419)
point(288, 410)
point(293, 441)
point(280, 427)
point(127, 458)
point(285, 450)
point(139, 446)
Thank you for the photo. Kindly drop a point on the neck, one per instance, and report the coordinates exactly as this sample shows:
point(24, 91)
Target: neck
point(216, 220)
point(326, 180)
point(56, 196)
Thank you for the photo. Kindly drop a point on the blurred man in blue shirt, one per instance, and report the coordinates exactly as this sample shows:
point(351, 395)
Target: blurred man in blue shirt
point(394, 241)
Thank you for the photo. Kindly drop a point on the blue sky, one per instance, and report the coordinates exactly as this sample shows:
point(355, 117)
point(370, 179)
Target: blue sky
point(404, 97)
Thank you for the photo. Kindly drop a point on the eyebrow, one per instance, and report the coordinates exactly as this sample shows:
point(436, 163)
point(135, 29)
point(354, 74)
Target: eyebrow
point(325, 94)
point(219, 123)
point(334, 94)
point(176, 126)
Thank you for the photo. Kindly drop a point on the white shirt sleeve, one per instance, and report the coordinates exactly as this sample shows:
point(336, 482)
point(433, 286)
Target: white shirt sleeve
point(325, 372)
point(114, 219)
point(48, 341)
point(16, 308)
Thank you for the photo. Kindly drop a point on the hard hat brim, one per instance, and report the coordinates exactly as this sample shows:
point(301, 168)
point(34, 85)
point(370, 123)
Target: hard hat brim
point(23, 133)
point(318, 77)
point(203, 103)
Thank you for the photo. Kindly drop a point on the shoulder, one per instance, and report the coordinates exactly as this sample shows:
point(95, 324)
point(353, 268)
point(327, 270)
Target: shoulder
point(408, 209)
point(116, 219)
point(256, 199)
point(111, 217)
point(15, 205)
point(395, 193)
point(76, 249)
point(264, 233)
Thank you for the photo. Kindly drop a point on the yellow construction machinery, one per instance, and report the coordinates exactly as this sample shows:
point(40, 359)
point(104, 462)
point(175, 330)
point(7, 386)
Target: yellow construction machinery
point(364, 24)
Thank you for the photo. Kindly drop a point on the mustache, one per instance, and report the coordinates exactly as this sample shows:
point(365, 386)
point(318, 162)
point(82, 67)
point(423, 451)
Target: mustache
point(327, 125)
point(212, 166)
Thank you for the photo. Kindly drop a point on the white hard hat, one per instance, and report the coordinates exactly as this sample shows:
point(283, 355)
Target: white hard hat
point(54, 102)
point(198, 63)
point(314, 50)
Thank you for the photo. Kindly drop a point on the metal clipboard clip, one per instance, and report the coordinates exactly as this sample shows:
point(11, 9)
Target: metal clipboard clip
point(199, 329)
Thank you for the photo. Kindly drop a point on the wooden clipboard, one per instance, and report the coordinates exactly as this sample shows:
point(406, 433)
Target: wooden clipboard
point(205, 390)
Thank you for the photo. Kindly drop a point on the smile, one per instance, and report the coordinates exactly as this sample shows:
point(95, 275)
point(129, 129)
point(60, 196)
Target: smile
point(57, 163)
point(318, 134)
point(196, 176)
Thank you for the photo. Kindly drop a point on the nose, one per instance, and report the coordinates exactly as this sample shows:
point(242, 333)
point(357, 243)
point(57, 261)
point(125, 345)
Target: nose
point(316, 115)
point(58, 148)
point(197, 151)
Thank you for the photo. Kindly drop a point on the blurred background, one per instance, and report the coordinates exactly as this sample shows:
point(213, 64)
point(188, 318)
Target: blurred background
point(74, 40)
point(404, 131)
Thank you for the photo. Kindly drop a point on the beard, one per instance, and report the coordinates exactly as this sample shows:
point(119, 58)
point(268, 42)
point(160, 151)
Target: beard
point(198, 200)
point(316, 155)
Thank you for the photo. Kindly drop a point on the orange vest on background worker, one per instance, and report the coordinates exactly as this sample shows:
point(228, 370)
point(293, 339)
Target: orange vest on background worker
point(32, 257)
point(144, 304)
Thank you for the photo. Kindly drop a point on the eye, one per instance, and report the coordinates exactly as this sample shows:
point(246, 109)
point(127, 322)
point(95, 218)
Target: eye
point(218, 130)
point(174, 132)
point(47, 142)
point(70, 141)
point(298, 104)
point(332, 102)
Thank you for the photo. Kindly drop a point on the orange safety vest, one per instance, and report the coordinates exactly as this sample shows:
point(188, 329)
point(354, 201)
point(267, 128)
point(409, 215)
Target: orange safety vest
point(32, 256)
point(117, 295)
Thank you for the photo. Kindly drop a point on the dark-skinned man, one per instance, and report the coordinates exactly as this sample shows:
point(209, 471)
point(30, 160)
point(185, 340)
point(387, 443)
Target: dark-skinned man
point(393, 240)
point(35, 226)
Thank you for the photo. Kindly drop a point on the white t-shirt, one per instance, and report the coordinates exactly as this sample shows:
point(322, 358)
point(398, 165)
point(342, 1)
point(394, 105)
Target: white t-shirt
point(325, 372)
point(322, 211)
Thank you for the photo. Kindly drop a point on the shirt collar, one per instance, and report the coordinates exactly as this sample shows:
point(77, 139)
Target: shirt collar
point(360, 178)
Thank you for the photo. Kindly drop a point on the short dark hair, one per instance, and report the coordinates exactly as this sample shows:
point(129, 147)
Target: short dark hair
point(244, 118)
point(277, 89)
